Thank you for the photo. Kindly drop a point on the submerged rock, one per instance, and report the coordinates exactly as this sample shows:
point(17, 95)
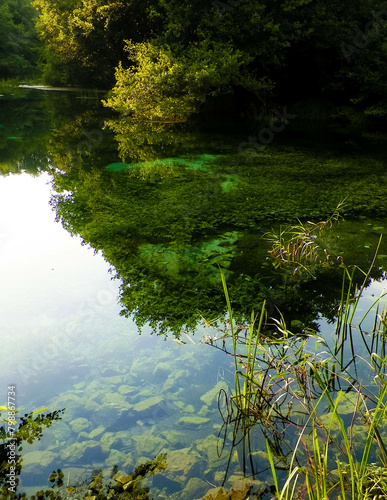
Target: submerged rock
point(173, 378)
point(37, 462)
point(162, 369)
point(126, 389)
point(116, 457)
point(195, 488)
point(72, 403)
point(86, 451)
point(96, 432)
point(240, 491)
point(211, 397)
point(192, 420)
point(216, 494)
point(119, 440)
point(174, 437)
point(184, 407)
point(115, 380)
point(209, 447)
point(148, 403)
point(203, 411)
point(181, 464)
point(79, 424)
point(149, 444)
point(115, 399)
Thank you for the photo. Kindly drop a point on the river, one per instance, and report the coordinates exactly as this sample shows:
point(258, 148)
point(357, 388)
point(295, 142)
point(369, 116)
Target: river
point(112, 232)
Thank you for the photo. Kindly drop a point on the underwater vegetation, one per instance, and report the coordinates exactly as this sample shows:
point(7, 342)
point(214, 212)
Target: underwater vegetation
point(318, 401)
point(165, 220)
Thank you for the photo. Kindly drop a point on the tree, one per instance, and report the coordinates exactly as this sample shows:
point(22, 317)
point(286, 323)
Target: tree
point(84, 39)
point(18, 41)
point(167, 87)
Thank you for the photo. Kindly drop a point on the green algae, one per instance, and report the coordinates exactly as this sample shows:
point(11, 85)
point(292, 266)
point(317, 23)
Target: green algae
point(193, 420)
point(146, 404)
point(194, 163)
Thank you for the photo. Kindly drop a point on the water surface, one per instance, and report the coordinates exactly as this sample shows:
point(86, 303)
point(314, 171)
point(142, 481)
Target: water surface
point(159, 208)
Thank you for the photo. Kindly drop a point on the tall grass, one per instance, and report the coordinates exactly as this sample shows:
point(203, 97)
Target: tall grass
point(277, 373)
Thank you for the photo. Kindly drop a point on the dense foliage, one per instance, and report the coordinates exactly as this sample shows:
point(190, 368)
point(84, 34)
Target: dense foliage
point(171, 59)
point(18, 40)
point(166, 216)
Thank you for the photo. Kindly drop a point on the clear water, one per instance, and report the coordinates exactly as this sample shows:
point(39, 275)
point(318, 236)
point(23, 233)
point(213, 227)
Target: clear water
point(127, 397)
point(64, 345)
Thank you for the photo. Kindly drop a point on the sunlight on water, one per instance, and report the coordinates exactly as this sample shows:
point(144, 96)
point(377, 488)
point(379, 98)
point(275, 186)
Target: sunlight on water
point(50, 284)
point(64, 345)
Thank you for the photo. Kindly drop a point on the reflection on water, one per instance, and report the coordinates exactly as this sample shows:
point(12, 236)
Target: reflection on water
point(162, 228)
point(126, 397)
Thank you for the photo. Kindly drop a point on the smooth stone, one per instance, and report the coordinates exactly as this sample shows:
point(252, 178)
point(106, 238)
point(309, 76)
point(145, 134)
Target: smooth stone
point(146, 404)
point(192, 420)
point(148, 444)
point(126, 389)
point(181, 464)
point(88, 451)
point(79, 424)
point(211, 396)
point(96, 432)
point(195, 488)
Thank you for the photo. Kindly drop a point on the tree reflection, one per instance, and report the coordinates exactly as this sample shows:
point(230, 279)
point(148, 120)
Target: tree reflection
point(29, 429)
point(168, 207)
